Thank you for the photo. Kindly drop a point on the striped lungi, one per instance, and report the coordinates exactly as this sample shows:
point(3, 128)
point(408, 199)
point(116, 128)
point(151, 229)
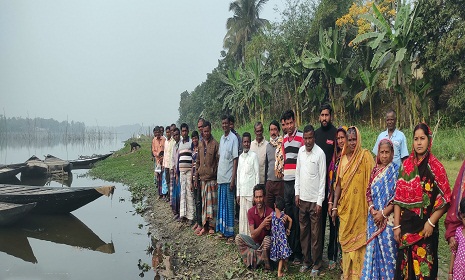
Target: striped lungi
point(209, 202)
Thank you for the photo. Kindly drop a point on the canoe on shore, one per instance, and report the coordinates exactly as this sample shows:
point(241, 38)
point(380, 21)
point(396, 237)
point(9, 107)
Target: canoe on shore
point(57, 165)
point(87, 161)
point(10, 212)
point(35, 167)
point(52, 200)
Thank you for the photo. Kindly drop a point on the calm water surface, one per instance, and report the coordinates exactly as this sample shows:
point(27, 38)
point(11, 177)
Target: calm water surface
point(101, 240)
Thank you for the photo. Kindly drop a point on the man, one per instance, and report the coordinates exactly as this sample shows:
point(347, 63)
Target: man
point(186, 212)
point(247, 178)
point(325, 139)
point(227, 167)
point(258, 146)
point(255, 249)
point(292, 142)
point(231, 125)
point(207, 167)
point(175, 187)
point(397, 138)
point(162, 131)
point(158, 146)
point(167, 157)
point(200, 123)
point(310, 182)
point(274, 165)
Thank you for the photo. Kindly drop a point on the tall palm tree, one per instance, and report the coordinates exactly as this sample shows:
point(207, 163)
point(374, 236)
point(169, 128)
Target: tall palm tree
point(243, 25)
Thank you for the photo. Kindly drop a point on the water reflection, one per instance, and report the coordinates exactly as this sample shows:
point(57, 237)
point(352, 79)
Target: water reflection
point(59, 229)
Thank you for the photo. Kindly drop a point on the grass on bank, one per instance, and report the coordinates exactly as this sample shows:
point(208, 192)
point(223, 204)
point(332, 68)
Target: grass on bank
point(136, 170)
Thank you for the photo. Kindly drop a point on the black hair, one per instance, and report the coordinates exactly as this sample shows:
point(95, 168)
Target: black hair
point(247, 134)
point(173, 124)
point(231, 119)
point(326, 107)
point(195, 134)
point(207, 123)
point(168, 128)
point(176, 129)
point(309, 128)
point(275, 123)
point(200, 120)
point(156, 128)
point(462, 206)
point(225, 117)
point(423, 127)
point(289, 114)
point(184, 125)
point(279, 202)
point(259, 187)
point(392, 111)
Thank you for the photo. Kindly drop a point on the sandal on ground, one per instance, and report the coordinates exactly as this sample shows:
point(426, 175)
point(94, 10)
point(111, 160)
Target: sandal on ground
point(211, 232)
point(198, 229)
point(297, 261)
point(194, 228)
point(304, 268)
point(200, 232)
point(331, 265)
point(315, 272)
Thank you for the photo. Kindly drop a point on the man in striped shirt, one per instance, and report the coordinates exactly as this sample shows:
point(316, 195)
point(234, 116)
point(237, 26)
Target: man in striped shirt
point(186, 211)
point(292, 142)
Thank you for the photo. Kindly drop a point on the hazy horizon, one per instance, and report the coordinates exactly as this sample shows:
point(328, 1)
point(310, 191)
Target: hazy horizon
point(108, 63)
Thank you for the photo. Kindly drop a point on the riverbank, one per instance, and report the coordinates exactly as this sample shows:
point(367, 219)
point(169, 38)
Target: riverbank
point(178, 253)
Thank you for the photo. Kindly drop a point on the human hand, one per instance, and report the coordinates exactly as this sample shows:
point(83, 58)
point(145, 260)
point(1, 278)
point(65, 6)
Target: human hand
point(397, 235)
point(427, 230)
point(232, 185)
point(297, 200)
point(267, 221)
point(378, 217)
point(288, 232)
point(452, 244)
point(334, 215)
point(238, 200)
point(318, 210)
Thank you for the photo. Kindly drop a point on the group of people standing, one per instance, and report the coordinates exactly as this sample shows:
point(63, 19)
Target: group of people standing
point(383, 212)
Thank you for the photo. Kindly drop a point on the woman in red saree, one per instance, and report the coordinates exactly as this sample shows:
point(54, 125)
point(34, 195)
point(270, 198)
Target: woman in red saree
point(422, 197)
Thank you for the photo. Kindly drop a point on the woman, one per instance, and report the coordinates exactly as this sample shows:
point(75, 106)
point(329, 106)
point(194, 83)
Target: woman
point(453, 221)
point(381, 249)
point(353, 175)
point(333, 248)
point(422, 197)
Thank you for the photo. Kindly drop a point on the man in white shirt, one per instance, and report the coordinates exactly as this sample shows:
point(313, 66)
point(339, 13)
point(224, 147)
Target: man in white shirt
point(258, 146)
point(310, 178)
point(247, 179)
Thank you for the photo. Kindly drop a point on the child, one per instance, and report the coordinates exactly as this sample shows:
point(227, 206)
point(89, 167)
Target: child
point(457, 259)
point(280, 249)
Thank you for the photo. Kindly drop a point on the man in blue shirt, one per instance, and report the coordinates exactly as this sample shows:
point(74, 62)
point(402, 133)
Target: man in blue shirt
point(396, 136)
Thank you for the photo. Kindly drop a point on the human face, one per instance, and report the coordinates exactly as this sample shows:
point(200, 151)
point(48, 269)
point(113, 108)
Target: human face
point(352, 142)
point(390, 121)
point(420, 142)
point(258, 198)
point(200, 127)
point(176, 135)
point(168, 133)
point(246, 144)
point(155, 133)
point(259, 133)
point(325, 118)
point(161, 131)
point(225, 126)
point(309, 140)
point(341, 139)
point(385, 154)
point(283, 126)
point(195, 141)
point(206, 131)
point(274, 131)
point(184, 132)
point(290, 126)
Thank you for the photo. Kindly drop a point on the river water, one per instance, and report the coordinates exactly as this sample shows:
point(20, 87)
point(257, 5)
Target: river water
point(105, 239)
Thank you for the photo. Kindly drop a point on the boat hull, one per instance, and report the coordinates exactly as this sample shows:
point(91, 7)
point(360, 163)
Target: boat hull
point(10, 212)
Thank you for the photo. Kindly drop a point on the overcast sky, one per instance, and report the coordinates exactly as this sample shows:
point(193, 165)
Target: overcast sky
point(111, 62)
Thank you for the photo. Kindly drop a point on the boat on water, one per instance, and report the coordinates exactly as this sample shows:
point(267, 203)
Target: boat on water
point(9, 171)
point(10, 212)
point(52, 200)
point(35, 167)
point(57, 165)
point(88, 161)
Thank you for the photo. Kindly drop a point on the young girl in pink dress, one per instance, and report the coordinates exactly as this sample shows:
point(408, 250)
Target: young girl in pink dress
point(457, 259)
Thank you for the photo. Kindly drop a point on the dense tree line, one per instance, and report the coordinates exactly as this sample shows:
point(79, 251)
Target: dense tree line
point(28, 125)
point(362, 57)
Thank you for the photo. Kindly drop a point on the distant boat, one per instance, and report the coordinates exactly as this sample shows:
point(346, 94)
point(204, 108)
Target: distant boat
point(52, 200)
point(35, 167)
point(87, 161)
point(9, 171)
point(10, 212)
point(57, 165)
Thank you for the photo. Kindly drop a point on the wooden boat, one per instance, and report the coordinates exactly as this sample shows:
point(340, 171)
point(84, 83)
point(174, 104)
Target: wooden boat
point(52, 200)
point(35, 167)
point(10, 212)
point(9, 171)
point(57, 165)
point(87, 161)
